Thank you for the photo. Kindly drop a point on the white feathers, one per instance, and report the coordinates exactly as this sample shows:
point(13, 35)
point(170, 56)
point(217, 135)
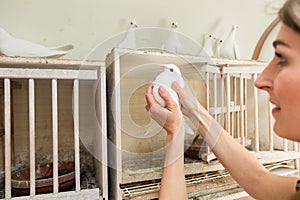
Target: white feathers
point(170, 74)
point(230, 48)
point(211, 46)
point(217, 47)
point(208, 44)
point(15, 47)
point(173, 44)
point(129, 41)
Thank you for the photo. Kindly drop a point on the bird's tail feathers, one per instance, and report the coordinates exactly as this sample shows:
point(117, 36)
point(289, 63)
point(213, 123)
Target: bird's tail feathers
point(57, 54)
point(62, 47)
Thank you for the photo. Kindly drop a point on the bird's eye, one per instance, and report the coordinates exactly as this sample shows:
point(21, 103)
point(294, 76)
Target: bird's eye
point(171, 70)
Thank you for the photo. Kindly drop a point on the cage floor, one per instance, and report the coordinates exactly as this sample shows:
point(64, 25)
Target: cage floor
point(209, 185)
point(138, 170)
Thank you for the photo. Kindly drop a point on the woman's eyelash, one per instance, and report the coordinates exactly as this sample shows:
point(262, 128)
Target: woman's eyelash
point(281, 58)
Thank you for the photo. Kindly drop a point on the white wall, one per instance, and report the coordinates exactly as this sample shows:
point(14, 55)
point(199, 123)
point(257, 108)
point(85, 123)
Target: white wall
point(88, 23)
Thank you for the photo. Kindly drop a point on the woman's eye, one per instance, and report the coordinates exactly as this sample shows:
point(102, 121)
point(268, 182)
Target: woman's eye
point(282, 60)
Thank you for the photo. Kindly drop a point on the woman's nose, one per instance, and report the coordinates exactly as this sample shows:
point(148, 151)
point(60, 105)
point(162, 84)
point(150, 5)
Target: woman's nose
point(264, 81)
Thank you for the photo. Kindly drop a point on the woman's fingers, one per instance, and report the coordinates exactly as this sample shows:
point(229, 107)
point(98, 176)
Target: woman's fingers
point(149, 96)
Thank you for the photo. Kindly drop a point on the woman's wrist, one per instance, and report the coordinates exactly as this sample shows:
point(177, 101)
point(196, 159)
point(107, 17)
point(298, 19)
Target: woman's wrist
point(199, 116)
point(174, 146)
point(174, 133)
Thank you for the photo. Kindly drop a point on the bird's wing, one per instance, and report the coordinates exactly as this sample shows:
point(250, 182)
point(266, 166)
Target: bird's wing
point(129, 42)
point(173, 43)
point(164, 78)
point(208, 45)
point(236, 51)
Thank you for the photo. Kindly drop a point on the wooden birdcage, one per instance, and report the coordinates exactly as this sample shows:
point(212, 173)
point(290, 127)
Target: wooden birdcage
point(224, 87)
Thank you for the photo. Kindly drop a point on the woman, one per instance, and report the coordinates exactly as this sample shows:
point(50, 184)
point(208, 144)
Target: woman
point(281, 79)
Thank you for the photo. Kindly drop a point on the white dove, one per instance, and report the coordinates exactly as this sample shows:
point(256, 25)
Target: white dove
point(208, 46)
point(173, 44)
point(170, 74)
point(217, 47)
point(129, 41)
point(229, 48)
point(15, 47)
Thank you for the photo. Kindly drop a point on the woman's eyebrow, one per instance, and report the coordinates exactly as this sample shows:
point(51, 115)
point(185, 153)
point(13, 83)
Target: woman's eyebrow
point(279, 42)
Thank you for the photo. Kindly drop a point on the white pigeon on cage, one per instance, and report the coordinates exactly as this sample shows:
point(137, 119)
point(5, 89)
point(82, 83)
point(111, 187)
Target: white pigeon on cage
point(173, 44)
point(217, 47)
point(229, 48)
point(129, 42)
point(170, 74)
point(16, 47)
point(208, 46)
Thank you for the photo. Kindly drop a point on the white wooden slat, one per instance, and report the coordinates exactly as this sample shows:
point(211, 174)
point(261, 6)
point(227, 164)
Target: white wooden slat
point(256, 133)
point(242, 132)
point(87, 194)
point(48, 63)
point(228, 103)
point(244, 69)
point(55, 135)
point(48, 73)
point(222, 95)
point(210, 69)
point(76, 134)
point(237, 75)
point(285, 145)
point(207, 89)
point(7, 119)
point(102, 111)
point(221, 110)
point(297, 164)
point(32, 136)
point(297, 161)
point(234, 117)
point(270, 127)
point(296, 148)
point(246, 108)
point(117, 104)
point(207, 92)
point(215, 99)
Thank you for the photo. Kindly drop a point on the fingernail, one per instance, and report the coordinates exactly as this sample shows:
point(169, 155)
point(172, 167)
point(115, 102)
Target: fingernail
point(162, 89)
point(175, 85)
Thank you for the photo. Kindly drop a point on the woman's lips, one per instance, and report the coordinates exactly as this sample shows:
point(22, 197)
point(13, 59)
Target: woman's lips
point(275, 110)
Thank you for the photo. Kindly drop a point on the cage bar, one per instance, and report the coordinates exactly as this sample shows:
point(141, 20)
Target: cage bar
point(32, 136)
point(7, 119)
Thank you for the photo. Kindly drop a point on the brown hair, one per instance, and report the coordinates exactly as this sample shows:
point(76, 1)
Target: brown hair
point(289, 14)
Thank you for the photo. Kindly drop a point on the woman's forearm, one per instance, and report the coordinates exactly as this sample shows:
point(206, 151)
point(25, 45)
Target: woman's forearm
point(173, 184)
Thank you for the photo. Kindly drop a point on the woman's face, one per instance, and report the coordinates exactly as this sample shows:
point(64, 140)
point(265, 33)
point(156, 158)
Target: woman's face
point(281, 79)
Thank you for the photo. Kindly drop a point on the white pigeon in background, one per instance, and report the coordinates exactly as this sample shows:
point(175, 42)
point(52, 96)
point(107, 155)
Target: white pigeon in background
point(173, 44)
point(208, 46)
point(229, 48)
point(217, 47)
point(170, 74)
point(15, 47)
point(129, 41)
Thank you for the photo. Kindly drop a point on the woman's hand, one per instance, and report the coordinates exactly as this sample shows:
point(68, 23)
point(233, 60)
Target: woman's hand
point(188, 101)
point(169, 117)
